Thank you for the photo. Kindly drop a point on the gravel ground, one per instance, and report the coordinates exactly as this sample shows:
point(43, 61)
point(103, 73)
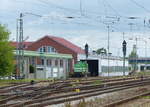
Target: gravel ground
point(101, 100)
point(136, 103)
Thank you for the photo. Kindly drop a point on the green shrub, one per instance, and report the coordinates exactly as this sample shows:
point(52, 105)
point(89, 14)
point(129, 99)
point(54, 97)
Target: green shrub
point(31, 69)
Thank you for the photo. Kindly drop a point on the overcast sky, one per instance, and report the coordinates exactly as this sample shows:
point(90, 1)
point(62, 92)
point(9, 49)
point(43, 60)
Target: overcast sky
point(89, 22)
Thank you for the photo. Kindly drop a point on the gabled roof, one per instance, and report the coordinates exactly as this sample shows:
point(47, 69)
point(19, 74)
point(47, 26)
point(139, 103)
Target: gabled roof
point(67, 44)
point(14, 44)
point(59, 40)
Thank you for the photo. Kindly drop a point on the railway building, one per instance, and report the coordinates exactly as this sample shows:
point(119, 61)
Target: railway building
point(102, 65)
point(57, 56)
point(45, 65)
point(139, 64)
point(53, 49)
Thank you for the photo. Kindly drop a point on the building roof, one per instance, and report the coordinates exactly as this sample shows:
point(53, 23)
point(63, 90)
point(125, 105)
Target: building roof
point(59, 40)
point(67, 44)
point(14, 44)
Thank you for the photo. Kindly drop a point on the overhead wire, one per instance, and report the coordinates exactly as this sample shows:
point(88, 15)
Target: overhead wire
point(139, 5)
point(110, 6)
point(81, 10)
point(77, 12)
point(71, 11)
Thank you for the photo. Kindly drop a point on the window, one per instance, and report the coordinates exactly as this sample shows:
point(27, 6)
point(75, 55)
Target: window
point(42, 61)
point(148, 68)
point(48, 49)
point(44, 48)
point(61, 63)
point(49, 62)
point(53, 49)
point(41, 49)
point(56, 62)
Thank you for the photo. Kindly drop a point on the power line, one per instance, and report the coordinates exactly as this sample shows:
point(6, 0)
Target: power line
point(90, 16)
point(139, 5)
point(72, 11)
point(81, 10)
point(108, 4)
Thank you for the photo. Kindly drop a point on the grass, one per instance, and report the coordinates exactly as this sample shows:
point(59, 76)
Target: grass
point(68, 104)
point(2, 97)
point(146, 97)
point(9, 82)
point(97, 82)
point(142, 73)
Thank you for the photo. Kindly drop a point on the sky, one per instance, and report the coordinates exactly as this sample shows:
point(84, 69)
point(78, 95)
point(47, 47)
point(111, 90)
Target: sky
point(89, 22)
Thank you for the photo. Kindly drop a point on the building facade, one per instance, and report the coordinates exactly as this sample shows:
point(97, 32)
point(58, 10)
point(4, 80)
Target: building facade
point(139, 64)
point(51, 66)
point(99, 65)
point(54, 46)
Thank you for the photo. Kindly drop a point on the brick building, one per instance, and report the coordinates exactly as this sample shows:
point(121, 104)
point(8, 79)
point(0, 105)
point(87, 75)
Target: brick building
point(53, 44)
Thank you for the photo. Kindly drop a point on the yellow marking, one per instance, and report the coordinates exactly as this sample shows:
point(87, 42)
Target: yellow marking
point(77, 80)
point(77, 90)
point(74, 85)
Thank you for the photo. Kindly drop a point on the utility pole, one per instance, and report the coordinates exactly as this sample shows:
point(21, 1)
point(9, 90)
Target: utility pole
point(17, 50)
point(20, 46)
point(123, 35)
point(108, 48)
point(20, 42)
point(136, 57)
point(145, 48)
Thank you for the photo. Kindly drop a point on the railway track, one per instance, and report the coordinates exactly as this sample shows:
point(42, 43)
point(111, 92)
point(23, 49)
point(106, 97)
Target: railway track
point(125, 100)
point(58, 84)
point(48, 90)
point(87, 91)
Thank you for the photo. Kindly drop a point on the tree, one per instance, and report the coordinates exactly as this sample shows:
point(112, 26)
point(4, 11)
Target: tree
point(133, 56)
point(6, 52)
point(101, 51)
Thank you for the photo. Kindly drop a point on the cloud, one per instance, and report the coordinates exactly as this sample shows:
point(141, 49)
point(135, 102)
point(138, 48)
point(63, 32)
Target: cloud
point(6, 4)
point(86, 28)
point(95, 39)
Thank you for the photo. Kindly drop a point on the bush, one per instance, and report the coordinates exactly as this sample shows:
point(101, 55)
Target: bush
point(6, 53)
point(31, 69)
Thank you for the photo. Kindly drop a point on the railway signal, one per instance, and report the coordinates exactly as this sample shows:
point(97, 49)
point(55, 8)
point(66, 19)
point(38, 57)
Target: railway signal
point(124, 44)
point(86, 53)
point(86, 50)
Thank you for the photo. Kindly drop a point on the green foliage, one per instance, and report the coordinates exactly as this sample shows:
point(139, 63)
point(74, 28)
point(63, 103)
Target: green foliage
point(6, 52)
point(101, 51)
point(68, 104)
point(142, 73)
point(133, 55)
point(97, 82)
point(4, 34)
point(32, 69)
point(82, 103)
point(2, 97)
point(146, 97)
